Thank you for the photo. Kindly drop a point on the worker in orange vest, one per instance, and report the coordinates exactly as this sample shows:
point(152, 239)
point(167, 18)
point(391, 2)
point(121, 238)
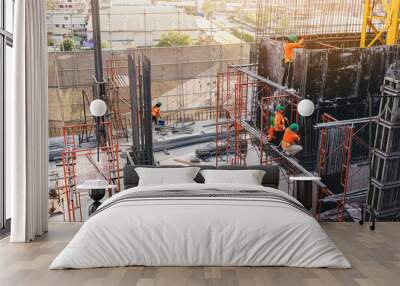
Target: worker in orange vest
point(156, 113)
point(288, 52)
point(279, 123)
point(290, 138)
point(271, 130)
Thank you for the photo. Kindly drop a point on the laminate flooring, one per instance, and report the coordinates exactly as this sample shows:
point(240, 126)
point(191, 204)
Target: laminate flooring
point(375, 257)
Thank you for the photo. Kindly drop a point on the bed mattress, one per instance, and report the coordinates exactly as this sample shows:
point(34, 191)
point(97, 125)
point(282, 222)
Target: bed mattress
point(201, 225)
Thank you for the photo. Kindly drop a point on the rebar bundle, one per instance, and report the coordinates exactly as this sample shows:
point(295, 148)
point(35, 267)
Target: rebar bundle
point(334, 149)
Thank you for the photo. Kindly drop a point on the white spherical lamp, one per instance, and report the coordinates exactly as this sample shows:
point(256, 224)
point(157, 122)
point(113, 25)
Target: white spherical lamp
point(305, 107)
point(98, 107)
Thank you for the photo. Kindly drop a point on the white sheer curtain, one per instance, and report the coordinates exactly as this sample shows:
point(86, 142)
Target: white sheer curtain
point(27, 124)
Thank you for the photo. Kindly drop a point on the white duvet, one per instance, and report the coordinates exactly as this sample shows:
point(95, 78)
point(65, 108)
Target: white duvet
point(200, 231)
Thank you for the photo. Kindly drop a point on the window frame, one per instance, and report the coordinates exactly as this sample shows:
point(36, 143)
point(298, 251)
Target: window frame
point(6, 40)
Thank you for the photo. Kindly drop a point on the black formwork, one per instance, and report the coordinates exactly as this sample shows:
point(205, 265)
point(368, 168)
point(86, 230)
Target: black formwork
point(338, 80)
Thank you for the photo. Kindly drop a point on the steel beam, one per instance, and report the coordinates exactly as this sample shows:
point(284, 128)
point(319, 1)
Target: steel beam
point(388, 32)
point(147, 110)
point(241, 68)
point(134, 104)
point(355, 121)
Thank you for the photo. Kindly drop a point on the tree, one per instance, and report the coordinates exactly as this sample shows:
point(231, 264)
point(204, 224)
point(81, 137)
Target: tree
point(246, 37)
point(208, 8)
point(105, 45)
point(190, 10)
point(50, 4)
point(174, 39)
point(67, 45)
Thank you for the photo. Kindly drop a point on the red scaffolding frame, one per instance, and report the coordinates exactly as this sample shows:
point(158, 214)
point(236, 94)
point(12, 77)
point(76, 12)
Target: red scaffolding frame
point(345, 149)
point(72, 151)
point(240, 96)
point(117, 78)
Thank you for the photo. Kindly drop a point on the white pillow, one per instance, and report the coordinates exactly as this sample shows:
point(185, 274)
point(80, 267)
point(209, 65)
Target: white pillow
point(248, 177)
point(166, 176)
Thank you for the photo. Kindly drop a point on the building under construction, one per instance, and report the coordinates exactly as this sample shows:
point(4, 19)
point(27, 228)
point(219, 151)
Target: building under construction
point(346, 68)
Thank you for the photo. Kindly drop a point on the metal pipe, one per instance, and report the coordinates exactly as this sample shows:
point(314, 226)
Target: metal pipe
point(344, 122)
point(134, 105)
point(265, 80)
point(98, 60)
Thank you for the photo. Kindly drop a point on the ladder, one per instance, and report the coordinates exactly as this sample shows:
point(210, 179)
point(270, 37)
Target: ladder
point(113, 167)
point(346, 160)
point(72, 196)
point(383, 198)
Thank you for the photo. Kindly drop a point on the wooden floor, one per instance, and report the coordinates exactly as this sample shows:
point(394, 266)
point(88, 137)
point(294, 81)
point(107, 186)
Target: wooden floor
point(375, 257)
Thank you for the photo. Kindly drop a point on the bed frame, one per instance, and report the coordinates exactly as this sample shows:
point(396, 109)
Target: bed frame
point(270, 179)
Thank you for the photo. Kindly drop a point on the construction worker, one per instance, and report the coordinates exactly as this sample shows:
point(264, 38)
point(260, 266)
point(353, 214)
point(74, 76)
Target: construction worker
point(290, 138)
point(271, 131)
point(279, 123)
point(156, 113)
point(288, 52)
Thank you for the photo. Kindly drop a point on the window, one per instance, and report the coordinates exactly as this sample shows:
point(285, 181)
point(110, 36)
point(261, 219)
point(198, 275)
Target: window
point(6, 42)
point(66, 18)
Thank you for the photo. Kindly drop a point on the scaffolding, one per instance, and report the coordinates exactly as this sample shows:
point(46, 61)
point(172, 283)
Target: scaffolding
point(243, 96)
point(336, 142)
point(119, 105)
point(383, 199)
point(380, 17)
point(245, 100)
point(73, 149)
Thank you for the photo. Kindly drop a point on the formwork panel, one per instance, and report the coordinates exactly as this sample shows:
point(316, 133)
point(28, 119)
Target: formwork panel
point(337, 80)
point(328, 76)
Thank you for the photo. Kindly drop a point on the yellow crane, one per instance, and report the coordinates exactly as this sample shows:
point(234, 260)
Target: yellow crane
point(382, 18)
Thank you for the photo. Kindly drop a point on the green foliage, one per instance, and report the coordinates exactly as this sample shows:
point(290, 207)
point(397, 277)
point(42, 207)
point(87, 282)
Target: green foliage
point(105, 45)
point(50, 42)
point(174, 39)
point(246, 37)
point(251, 17)
point(190, 10)
point(208, 8)
point(50, 4)
point(67, 45)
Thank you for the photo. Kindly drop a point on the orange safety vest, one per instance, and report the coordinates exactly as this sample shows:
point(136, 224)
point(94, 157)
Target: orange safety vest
point(289, 137)
point(279, 121)
point(156, 112)
point(288, 50)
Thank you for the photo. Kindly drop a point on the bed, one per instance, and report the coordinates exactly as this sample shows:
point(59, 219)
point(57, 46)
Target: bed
point(199, 224)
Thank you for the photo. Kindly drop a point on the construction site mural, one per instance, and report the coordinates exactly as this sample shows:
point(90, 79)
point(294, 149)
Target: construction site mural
point(309, 85)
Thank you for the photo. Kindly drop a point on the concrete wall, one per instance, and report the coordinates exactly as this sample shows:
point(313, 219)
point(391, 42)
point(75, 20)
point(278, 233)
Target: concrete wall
point(337, 80)
point(182, 77)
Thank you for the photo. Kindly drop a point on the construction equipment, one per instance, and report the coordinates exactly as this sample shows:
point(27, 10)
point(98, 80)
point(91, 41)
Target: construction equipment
point(383, 199)
point(381, 17)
